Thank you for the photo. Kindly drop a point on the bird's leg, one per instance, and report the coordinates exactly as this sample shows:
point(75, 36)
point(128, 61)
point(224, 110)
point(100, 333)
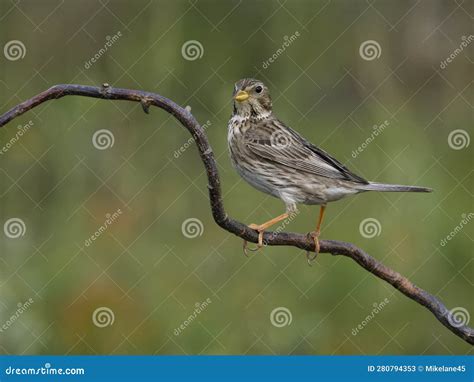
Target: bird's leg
point(260, 228)
point(315, 235)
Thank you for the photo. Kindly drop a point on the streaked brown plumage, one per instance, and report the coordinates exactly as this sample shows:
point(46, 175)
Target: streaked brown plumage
point(277, 160)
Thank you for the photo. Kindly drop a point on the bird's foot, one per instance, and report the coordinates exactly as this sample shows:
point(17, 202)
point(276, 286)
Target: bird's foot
point(309, 257)
point(260, 231)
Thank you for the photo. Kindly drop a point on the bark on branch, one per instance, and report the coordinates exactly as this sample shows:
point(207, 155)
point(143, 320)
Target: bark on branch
point(302, 241)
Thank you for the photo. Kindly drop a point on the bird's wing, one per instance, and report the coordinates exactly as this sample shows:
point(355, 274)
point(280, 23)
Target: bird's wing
point(278, 143)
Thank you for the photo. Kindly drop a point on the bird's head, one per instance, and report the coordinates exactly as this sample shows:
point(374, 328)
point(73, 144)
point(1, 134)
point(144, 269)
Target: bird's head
point(251, 99)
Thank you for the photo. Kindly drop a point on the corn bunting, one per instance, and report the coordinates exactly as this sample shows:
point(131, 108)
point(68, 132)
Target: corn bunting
point(277, 160)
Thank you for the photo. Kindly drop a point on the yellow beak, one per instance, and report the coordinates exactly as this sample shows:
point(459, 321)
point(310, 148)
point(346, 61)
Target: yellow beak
point(241, 96)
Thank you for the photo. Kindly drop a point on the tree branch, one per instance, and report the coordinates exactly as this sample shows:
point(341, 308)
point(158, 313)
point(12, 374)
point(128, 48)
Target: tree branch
point(367, 262)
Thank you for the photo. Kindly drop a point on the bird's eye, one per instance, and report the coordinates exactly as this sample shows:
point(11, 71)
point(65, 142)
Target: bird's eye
point(258, 89)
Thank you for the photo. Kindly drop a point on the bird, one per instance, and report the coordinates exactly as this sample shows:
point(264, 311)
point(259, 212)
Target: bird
point(277, 160)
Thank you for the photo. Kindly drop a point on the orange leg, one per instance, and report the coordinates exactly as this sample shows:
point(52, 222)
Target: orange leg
point(261, 229)
point(315, 234)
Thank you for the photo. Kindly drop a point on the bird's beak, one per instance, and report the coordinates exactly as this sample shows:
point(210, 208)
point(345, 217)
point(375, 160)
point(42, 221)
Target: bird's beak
point(241, 96)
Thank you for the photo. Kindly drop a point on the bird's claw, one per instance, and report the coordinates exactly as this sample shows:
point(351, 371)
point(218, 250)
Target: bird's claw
point(260, 240)
point(246, 248)
point(310, 258)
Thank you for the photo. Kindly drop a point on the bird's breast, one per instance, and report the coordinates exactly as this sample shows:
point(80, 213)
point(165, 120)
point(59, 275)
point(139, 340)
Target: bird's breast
point(235, 130)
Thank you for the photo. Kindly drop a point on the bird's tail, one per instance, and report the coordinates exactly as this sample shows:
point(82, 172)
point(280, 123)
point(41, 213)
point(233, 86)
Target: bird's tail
point(372, 186)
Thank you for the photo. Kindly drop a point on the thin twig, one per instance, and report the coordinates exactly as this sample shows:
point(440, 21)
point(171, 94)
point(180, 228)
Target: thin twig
point(333, 247)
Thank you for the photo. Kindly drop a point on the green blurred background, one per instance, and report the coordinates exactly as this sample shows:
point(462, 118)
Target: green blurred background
point(142, 268)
